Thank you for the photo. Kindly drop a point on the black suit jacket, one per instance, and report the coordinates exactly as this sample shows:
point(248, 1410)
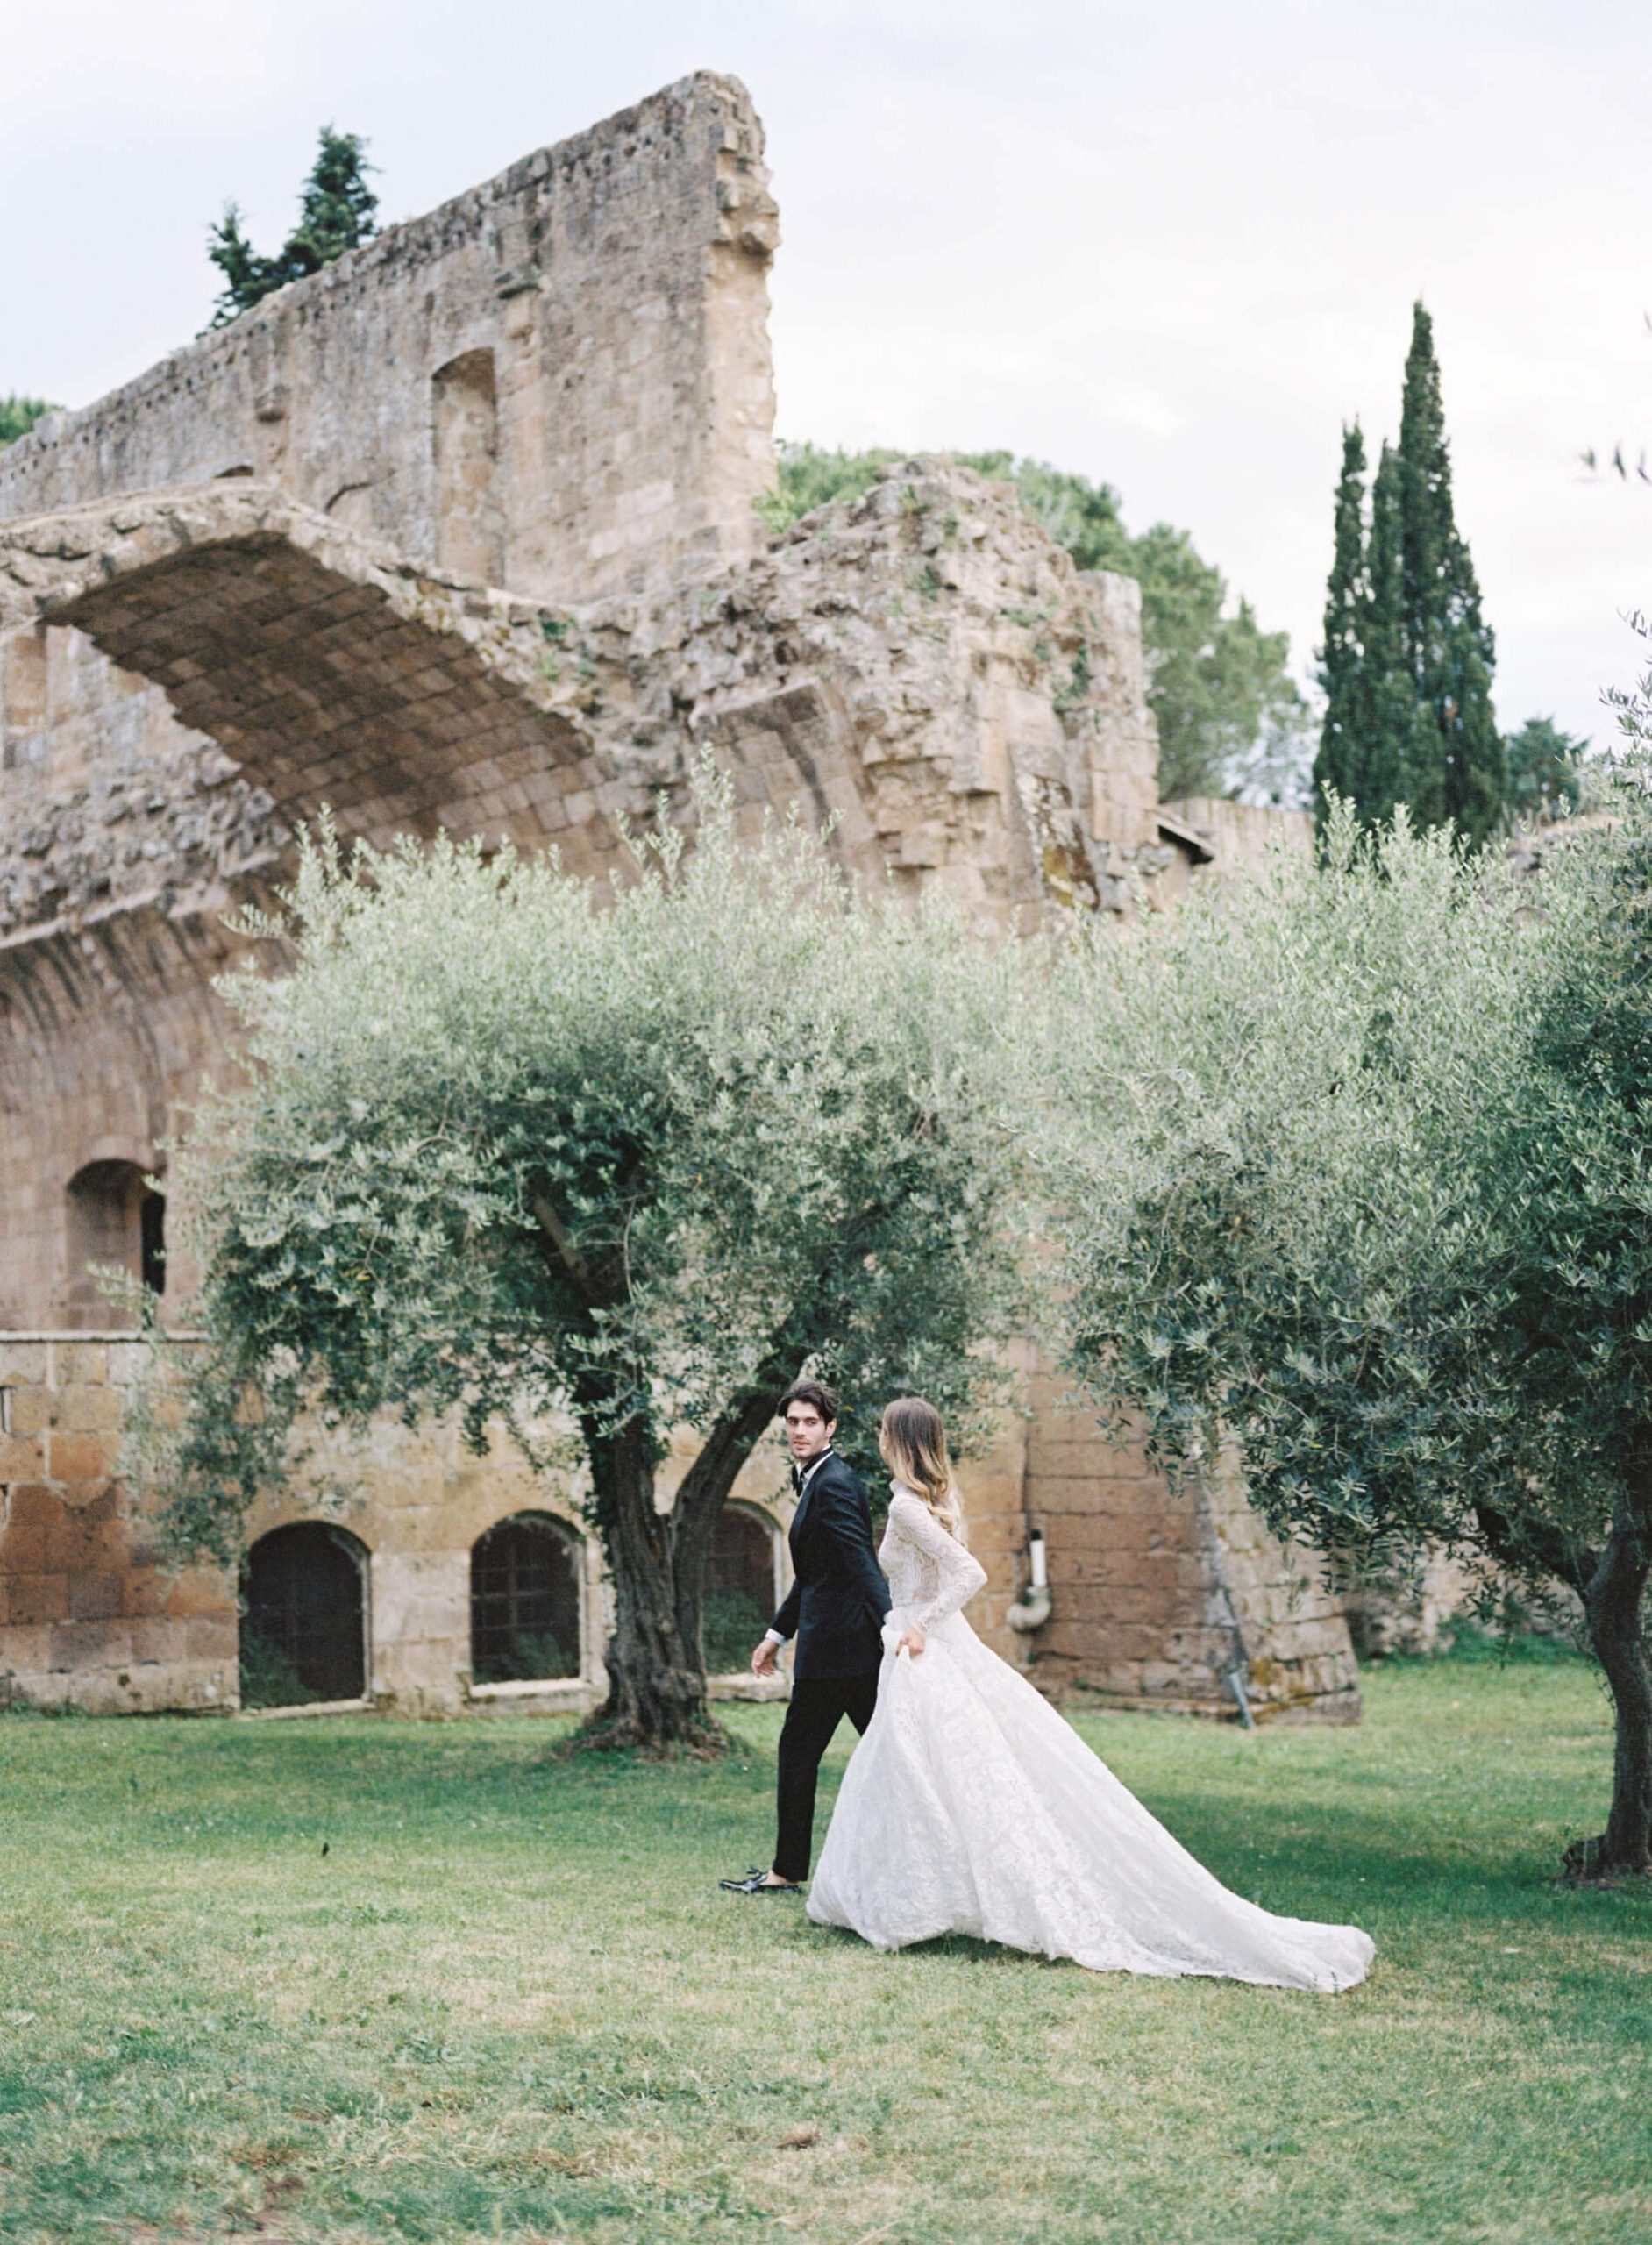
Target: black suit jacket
point(838, 1598)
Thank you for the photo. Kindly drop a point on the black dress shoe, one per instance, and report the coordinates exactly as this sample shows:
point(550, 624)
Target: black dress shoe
point(757, 1881)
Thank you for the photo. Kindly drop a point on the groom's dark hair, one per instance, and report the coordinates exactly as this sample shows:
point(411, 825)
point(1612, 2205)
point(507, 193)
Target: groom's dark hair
point(817, 1397)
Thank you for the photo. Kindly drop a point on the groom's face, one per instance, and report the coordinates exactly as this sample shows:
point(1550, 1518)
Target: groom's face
point(806, 1431)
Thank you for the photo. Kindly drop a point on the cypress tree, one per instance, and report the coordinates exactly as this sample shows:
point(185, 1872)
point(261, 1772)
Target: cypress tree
point(1339, 767)
point(1456, 761)
point(1397, 765)
point(337, 211)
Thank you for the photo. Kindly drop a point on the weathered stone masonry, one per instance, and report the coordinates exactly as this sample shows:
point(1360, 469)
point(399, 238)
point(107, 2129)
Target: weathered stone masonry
point(459, 536)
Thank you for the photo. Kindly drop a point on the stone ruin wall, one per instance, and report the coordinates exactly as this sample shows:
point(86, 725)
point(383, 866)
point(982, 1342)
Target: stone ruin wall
point(558, 383)
point(502, 578)
point(920, 663)
point(1160, 1596)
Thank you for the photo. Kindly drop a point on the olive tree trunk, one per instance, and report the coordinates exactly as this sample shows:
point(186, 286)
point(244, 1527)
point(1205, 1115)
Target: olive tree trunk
point(1611, 1583)
point(1612, 1596)
point(657, 1563)
point(655, 1679)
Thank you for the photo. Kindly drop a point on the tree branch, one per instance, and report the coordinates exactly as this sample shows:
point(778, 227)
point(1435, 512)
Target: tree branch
point(557, 1233)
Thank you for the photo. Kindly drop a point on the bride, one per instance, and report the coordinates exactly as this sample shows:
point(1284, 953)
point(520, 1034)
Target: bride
point(972, 1806)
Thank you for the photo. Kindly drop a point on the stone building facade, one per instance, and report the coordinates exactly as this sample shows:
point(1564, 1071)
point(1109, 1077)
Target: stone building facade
point(459, 535)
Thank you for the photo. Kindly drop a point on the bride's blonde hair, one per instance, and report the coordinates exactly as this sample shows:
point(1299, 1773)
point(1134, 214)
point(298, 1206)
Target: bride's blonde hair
point(912, 1439)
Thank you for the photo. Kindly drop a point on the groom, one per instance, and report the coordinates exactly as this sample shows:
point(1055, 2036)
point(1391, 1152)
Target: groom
point(834, 1608)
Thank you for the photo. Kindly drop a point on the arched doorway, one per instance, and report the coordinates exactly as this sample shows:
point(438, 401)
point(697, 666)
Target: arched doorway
point(524, 1601)
point(304, 1617)
point(740, 1594)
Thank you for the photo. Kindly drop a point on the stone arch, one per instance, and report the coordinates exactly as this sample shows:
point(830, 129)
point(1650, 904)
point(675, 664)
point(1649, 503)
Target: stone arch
point(526, 1601)
point(743, 1576)
point(304, 1617)
point(334, 672)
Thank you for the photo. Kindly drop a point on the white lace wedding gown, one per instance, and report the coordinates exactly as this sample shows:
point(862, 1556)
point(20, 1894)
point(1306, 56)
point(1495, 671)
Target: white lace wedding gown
point(972, 1806)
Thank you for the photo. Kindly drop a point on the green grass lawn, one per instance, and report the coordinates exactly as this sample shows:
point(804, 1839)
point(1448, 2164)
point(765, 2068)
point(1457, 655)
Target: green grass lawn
point(346, 1980)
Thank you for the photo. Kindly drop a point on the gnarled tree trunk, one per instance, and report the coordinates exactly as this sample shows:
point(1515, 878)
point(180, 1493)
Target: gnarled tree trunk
point(1611, 1583)
point(655, 1679)
point(659, 1563)
point(1612, 1595)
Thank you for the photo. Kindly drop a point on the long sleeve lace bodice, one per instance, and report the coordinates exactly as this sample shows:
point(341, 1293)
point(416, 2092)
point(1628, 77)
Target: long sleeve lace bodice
point(930, 1573)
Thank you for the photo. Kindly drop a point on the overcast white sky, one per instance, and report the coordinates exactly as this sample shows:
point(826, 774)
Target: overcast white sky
point(1171, 245)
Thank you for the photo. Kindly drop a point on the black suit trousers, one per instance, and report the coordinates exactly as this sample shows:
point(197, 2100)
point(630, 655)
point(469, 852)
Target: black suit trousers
point(818, 1705)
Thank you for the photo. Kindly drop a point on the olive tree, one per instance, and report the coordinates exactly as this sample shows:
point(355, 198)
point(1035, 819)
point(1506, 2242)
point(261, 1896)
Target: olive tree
point(511, 1152)
point(1355, 1171)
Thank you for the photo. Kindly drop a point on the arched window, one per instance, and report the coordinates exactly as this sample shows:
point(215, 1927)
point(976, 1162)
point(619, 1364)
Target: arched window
point(304, 1617)
point(524, 1602)
point(115, 1217)
point(465, 417)
point(740, 1588)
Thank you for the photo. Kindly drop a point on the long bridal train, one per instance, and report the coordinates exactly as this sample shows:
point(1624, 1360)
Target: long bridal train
point(972, 1806)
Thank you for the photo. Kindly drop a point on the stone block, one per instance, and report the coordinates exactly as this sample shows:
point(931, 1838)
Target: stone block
point(155, 1640)
point(23, 1548)
point(198, 1593)
point(22, 1457)
point(1079, 1638)
point(30, 1410)
point(128, 1363)
point(22, 1363)
point(143, 1586)
point(82, 1363)
point(88, 1536)
point(35, 1598)
point(1090, 1532)
point(209, 1638)
point(1061, 1455)
point(94, 1597)
point(83, 1409)
point(82, 1646)
point(82, 1457)
point(24, 1647)
point(31, 1504)
point(421, 1599)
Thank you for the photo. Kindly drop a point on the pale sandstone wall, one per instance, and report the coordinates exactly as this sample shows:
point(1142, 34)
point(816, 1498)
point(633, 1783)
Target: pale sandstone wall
point(89, 1616)
point(1229, 840)
point(1412, 1614)
point(604, 302)
point(108, 1029)
point(104, 793)
point(1159, 1595)
point(1160, 1592)
point(923, 662)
